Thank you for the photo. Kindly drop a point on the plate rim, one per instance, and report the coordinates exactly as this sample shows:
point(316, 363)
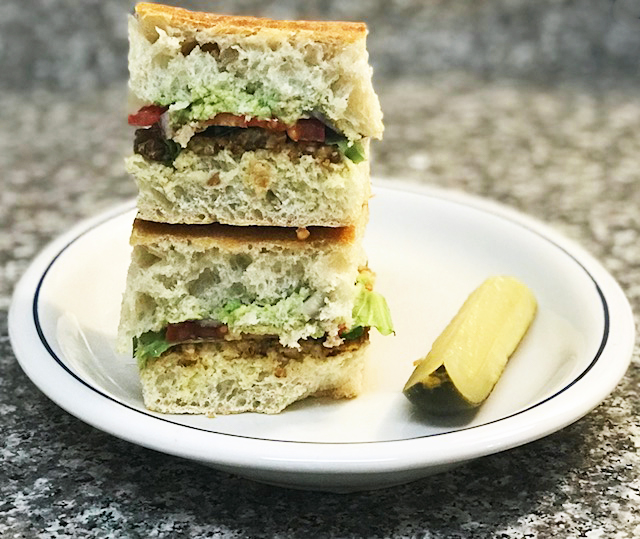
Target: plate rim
point(337, 457)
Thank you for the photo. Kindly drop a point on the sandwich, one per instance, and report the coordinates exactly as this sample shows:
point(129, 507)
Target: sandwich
point(249, 121)
point(225, 319)
point(248, 287)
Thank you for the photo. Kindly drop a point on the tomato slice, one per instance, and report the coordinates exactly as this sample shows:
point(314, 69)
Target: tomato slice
point(306, 129)
point(310, 130)
point(226, 119)
point(147, 116)
point(194, 330)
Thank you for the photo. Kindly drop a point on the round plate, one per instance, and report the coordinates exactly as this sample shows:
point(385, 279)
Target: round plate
point(430, 249)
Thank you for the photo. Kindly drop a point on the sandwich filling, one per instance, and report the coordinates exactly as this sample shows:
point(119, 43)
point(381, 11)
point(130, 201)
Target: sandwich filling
point(159, 140)
point(370, 310)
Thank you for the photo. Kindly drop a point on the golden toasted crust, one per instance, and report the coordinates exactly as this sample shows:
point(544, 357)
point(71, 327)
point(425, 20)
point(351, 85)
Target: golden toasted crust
point(149, 232)
point(158, 15)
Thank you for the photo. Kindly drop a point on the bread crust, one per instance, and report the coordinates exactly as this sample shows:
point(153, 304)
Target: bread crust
point(215, 234)
point(158, 15)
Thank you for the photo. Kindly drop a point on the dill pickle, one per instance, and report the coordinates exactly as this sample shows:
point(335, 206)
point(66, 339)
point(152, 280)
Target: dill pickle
point(469, 356)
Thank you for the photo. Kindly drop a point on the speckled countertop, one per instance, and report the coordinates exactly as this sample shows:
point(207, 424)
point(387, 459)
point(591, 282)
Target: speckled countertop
point(531, 103)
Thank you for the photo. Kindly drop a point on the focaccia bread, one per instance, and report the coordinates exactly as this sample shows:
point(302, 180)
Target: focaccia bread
point(294, 284)
point(248, 287)
point(202, 64)
point(227, 319)
point(250, 121)
point(217, 180)
point(250, 375)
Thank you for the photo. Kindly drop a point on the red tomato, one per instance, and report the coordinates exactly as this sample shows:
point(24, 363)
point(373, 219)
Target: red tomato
point(147, 116)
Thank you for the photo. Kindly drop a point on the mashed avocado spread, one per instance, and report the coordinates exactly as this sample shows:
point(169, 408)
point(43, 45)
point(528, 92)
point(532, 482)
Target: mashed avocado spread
point(370, 310)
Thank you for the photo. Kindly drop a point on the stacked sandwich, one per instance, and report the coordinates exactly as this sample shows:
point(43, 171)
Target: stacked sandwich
point(248, 287)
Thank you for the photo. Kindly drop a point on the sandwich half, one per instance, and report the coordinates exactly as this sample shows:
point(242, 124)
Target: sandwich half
point(227, 319)
point(250, 121)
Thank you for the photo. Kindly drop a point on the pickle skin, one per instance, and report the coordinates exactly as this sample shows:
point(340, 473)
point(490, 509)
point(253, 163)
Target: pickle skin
point(443, 400)
point(468, 358)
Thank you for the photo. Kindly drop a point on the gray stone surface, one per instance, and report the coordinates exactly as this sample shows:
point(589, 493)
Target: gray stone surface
point(533, 104)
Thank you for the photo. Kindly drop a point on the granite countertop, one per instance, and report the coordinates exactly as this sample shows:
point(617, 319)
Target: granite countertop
point(532, 104)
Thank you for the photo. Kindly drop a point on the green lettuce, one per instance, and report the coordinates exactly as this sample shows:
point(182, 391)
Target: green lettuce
point(355, 152)
point(353, 333)
point(149, 345)
point(370, 308)
point(351, 150)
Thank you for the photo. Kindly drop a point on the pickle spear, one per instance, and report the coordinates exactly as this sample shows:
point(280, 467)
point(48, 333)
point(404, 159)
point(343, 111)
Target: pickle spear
point(469, 356)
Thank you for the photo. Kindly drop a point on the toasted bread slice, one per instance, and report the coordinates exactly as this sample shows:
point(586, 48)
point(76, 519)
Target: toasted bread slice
point(201, 64)
point(251, 375)
point(294, 284)
point(252, 187)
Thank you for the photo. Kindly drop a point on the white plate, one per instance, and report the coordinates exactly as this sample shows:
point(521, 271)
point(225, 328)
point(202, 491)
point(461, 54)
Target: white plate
point(430, 248)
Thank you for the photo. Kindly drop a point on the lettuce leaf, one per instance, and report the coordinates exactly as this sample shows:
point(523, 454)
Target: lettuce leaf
point(354, 333)
point(353, 151)
point(370, 308)
point(149, 345)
